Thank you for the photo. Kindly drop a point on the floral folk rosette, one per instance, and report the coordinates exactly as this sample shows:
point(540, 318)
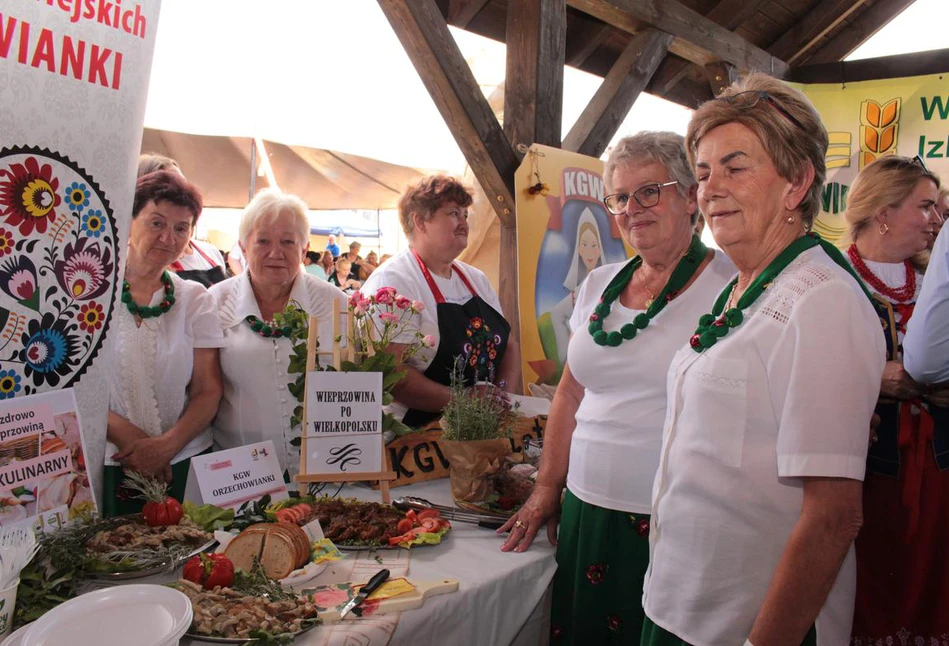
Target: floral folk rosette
point(58, 263)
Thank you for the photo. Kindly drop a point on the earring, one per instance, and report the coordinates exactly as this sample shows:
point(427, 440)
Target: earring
point(789, 219)
point(884, 229)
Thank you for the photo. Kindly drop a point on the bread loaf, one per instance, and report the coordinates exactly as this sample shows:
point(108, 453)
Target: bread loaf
point(281, 548)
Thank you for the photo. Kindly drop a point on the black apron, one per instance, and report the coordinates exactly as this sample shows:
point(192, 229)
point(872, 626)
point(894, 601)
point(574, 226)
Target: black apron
point(475, 331)
point(206, 277)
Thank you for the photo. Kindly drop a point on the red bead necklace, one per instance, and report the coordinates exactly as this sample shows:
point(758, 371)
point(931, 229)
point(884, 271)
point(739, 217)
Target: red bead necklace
point(904, 293)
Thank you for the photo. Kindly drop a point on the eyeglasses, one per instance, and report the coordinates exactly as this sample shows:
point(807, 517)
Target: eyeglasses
point(646, 196)
point(919, 160)
point(758, 96)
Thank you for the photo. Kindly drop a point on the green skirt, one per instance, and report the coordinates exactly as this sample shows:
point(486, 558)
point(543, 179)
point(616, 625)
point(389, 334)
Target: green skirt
point(653, 635)
point(119, 501)
point(602, 557)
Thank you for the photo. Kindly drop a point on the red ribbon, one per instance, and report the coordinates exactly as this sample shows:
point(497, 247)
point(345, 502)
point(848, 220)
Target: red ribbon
point(916, 435)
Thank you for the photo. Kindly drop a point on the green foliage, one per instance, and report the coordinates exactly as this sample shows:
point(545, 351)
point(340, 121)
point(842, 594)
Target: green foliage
point(474, 414)
point(295, 317)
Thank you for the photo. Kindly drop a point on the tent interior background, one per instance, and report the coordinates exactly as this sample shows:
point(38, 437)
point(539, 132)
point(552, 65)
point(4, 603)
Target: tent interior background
point(335, 76)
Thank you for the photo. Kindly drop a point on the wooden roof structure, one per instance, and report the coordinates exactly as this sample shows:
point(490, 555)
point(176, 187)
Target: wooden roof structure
point(685, 51)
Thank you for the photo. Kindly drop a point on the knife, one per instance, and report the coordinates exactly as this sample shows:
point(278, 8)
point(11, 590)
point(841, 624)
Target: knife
point(377, 579)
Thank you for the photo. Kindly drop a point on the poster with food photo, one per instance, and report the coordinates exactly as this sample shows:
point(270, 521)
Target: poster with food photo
point(43, 477)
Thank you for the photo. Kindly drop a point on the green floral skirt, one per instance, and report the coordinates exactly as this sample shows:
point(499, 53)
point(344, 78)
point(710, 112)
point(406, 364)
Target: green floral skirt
point(119, 501)
point(602, 557)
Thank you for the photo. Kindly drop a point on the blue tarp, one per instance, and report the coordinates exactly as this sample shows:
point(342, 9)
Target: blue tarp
point(344, 224)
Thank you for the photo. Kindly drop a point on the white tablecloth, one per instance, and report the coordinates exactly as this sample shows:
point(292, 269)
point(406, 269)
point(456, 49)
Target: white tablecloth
point(501, 599)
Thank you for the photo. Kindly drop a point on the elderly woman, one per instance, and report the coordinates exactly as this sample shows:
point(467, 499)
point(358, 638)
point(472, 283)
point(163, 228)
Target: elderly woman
point(257, 404)
point(606, 420)
point(200, 261)
point(461, 310)
point(165, 382)
point(368, 265)
point(756, 502)
point(902, 572)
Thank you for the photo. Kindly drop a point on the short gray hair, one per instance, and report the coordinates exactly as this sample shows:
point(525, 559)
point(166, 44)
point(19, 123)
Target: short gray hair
point(267, 205)
point(666, 148)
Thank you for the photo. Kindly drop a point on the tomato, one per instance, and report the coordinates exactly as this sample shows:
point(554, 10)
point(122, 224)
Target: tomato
point(159, 514)
point(428, 513)
point(430, 525)
point(404, 525)
point(283, 516)
point(411, 515)
point(209, 571)
point(404, 538)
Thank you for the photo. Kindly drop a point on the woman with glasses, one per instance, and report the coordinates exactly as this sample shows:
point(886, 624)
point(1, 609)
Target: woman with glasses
point(606, 418)
point(756, 501)
point(461, 310)
point(902, 572)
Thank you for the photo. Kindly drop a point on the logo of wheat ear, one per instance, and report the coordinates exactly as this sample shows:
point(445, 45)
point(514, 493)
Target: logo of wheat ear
point(879, 129)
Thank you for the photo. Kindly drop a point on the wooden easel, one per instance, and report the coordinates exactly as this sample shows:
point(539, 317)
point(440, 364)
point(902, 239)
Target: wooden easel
point(337, 354)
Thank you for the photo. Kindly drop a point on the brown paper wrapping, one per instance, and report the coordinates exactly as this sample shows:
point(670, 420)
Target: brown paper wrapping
point(472, 466)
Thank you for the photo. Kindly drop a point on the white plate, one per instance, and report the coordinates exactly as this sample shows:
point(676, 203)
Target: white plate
point(16, 639)
point(144, 615)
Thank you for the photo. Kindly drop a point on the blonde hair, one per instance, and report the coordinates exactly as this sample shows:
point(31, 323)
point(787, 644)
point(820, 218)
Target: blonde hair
point(342, 261)
point(785, 122)
point(267, 206)
point(886, 182)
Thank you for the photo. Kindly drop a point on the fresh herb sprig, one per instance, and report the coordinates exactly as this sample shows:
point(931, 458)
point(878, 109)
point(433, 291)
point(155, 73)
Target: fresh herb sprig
point(472, 414)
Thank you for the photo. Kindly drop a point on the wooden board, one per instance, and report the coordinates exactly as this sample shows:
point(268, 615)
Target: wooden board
point(418, 457)
point(406, 601)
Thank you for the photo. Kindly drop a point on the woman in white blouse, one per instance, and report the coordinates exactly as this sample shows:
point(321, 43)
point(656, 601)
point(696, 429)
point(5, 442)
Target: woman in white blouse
point(257, 403)
point(756, 501)
point(606, 418)
point(166, 384)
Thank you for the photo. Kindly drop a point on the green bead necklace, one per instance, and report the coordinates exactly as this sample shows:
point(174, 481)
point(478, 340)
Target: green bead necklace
point(267, 330)
point(720, 321)
point(147, 311)
point(681, 275)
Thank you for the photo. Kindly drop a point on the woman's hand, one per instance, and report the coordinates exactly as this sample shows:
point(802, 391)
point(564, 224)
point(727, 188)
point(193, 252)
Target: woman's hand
point(542, 507)
point(150, 456)
point(897, 384)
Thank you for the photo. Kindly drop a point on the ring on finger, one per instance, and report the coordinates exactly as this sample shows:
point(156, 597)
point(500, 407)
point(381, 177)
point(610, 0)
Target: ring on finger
point(521, 525)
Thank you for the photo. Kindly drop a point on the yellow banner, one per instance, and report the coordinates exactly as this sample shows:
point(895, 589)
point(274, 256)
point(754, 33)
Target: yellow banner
point(563, 233)
point(870, 119)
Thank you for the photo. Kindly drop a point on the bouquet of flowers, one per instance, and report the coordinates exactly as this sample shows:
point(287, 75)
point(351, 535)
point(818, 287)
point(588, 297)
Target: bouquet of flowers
point(381, 320)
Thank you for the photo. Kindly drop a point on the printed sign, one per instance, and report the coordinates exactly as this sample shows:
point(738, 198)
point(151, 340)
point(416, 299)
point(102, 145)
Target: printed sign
point(43, 478)
point(871, 119)
point(232, 477)
point(74, 79)
point(343, 422)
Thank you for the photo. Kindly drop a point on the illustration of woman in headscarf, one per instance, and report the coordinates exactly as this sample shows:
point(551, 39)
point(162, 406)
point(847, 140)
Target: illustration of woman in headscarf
point(587, 256)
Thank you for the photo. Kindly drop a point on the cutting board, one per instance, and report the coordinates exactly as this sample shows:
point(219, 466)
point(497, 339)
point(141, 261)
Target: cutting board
point(336, 596)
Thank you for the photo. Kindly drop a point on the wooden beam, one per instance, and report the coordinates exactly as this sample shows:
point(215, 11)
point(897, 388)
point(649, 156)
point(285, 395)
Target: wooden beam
point(720, 76)
point(697, 38)
point(592, 35)
point(462, 12)
point(871, 69)
point(820, 21)
point(595, 127)
point(438, 61)
point(533, 83)
point(857, 32)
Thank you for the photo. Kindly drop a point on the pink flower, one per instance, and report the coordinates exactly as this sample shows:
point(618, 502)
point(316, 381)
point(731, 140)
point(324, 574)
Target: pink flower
point(356, 299)
point(389, 317)
point(428, 341)
point(386, 295)
point(418, 306)
point(360, 310)
point(402, 302)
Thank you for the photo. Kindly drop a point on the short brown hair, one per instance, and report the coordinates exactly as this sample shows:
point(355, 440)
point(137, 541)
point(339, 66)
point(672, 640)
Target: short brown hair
point(786, 123)
point(427, 196)
point(886, 182)
point(167, 186)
